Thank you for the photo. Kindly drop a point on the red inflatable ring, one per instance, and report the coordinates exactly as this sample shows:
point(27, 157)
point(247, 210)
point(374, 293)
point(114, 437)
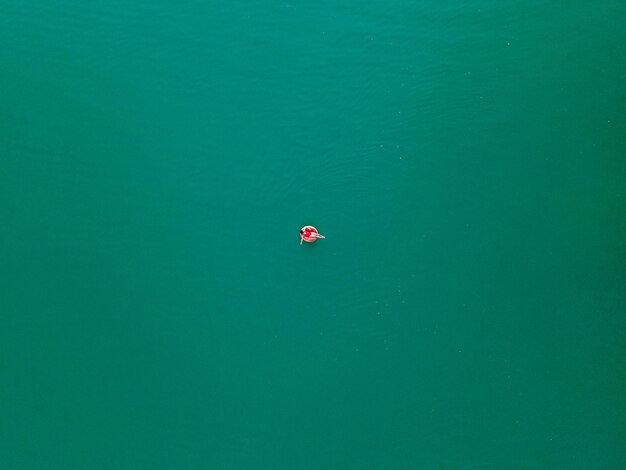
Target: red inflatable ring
point(309, 234)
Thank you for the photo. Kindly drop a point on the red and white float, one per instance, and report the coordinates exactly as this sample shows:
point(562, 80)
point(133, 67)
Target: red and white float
point(309, 234)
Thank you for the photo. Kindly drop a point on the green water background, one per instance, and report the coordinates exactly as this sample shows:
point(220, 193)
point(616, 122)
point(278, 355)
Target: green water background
point(465, 159)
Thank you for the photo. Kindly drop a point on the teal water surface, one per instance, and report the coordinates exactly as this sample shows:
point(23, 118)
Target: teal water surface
point(465, 160)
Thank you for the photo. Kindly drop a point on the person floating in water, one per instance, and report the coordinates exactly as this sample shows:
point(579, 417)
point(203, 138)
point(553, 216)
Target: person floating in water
point(309, 234)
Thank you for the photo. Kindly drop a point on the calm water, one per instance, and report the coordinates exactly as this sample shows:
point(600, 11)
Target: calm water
point(465, 159)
